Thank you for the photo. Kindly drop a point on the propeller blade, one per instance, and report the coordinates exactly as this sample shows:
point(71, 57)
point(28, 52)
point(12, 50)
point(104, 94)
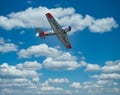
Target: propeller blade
point(37, 34)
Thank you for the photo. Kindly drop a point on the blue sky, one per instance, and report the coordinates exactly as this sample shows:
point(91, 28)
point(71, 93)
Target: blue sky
point(32, 66)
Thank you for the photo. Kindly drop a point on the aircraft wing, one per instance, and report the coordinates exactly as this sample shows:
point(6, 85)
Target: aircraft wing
point(60, 33)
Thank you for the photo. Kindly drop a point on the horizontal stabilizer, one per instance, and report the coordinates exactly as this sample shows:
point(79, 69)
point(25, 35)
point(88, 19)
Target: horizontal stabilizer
point(39, 32)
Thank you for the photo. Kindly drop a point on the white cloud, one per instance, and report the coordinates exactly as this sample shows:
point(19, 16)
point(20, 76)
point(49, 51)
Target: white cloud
point(92, 67)
point(44, 50)
point(113, 76)
point(56, 59)
point(29, 65)
point(103, 25)
point(20, 71)
point(90, 85)
point(111, 66)
point(38, 50)
point(76, 85)
point(31, 84)
point(55, 86)
point(83, 63)
point(104, 83)
point(65, 56)
point(21, 78)
point(35, 17)
point(100, 87)
point(58, 80)
point(110, 71)
point(51, 88)
point(16, 86)
point(53, 64)
point(7, 47)
point(54, 83)
point(9, 23)
point(19, 82)
point(35, 79)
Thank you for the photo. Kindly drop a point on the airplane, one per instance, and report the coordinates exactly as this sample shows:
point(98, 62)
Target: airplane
point(60, 32)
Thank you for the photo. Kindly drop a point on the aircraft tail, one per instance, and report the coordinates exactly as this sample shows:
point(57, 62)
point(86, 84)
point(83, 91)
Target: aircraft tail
point(39, 33)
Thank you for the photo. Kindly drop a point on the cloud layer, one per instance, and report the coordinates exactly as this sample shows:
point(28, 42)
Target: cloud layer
point(25, 78)
point(35, 17)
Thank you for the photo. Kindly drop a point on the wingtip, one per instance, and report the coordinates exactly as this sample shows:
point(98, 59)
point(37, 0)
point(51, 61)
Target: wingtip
point(69, 46)
point(49, 15)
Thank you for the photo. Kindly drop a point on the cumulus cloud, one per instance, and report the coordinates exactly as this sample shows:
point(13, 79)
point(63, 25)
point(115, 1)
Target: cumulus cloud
point(105, 80)
point(110, 71)
point(26, 83)
point(109, 83)
point(76, 85)
point(28, 69)
point(111, 66)
point(9, 23)
point(51, 63)
point(21, 78)
point(20, 82)
point(29, 65)
point(44, 50)
point(100, 87)
point(38, 50)
point(102, 25)
point(58, 80)
point(7, 47)
point(16, 86)
point(55, 59)
point(92, 67)
point(114, 76)
point(35, 17)
point(91, 87)
point(51, 88)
